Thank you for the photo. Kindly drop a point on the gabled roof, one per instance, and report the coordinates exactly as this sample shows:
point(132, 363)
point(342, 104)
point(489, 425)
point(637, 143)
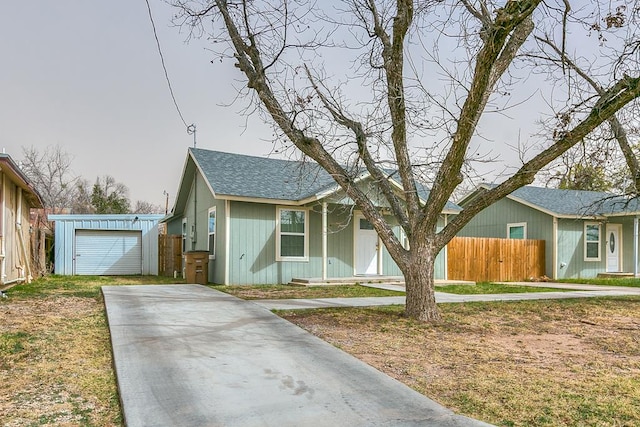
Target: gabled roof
point(238, 176)
point(8, 167)
point(570, 203)
point(260, 177)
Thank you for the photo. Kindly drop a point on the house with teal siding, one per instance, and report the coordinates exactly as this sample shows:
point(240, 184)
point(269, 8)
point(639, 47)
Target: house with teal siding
point(268, 221)
point(586, 232)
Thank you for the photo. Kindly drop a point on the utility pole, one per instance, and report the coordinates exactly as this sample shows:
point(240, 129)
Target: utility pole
point(166, 203)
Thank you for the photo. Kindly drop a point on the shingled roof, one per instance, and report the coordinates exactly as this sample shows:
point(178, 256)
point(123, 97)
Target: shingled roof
point(254, 177)
point(574, 203)
point(261, 177)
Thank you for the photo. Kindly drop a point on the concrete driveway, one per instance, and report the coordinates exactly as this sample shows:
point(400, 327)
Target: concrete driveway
point(187, 355)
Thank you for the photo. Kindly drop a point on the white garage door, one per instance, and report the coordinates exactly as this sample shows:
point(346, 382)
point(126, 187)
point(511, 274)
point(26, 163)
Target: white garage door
point(108, 252)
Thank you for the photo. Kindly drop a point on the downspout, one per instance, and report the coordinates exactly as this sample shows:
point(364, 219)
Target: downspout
point(227, 239)
point(554, 249)
point(635, 247)
point(324, 241)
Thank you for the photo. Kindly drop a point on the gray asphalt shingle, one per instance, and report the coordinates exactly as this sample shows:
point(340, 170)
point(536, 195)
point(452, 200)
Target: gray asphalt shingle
point(576, 202)
point(260, 177)
point(267, 178)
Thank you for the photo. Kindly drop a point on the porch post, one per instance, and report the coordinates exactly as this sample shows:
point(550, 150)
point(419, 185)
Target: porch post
point(227, 240)
point(554, 249)
point(324, 240)
point(635, 246)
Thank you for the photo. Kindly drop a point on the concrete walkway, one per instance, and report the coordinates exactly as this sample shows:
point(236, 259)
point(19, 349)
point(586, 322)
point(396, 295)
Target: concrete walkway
point(577, 291)
point(187, 355)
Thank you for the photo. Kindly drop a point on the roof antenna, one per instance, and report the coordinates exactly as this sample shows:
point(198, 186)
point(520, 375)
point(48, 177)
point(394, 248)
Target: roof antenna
point(191, 130)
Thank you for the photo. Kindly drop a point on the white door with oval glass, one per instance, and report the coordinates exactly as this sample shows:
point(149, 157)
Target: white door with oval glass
point(614, 247)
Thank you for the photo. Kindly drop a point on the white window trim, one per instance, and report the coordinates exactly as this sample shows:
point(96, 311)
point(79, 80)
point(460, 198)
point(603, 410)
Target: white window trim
point(599, 258)
point(306, 234)
point(514, 225)
point(404, 240)
point(183, 233)
point(215, 232)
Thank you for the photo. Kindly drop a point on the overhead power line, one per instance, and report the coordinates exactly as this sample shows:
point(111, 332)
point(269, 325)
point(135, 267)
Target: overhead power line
point(190, 128)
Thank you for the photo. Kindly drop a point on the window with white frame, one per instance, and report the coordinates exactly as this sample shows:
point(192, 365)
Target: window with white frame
point(517, 230)
point(592, 238)
point(211, 231)
point(292, 232)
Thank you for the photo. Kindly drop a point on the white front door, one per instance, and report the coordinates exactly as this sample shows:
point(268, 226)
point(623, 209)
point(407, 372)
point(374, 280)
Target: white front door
point(614, 244)
point(366, 246)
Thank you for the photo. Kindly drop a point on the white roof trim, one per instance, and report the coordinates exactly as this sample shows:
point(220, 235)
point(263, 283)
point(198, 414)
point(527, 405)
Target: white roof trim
point(258, 200)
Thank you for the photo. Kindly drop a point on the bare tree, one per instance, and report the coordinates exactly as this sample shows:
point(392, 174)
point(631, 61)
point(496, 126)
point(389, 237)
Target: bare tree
point(82, 203)
point(604, 160)
point(51, 174)
point(401, 84)
point(142, 207)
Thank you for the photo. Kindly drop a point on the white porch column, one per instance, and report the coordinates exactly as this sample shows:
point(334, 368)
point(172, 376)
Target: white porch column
point(554, 249)
point(635, 246)
point(324, 240)
point(227, 240)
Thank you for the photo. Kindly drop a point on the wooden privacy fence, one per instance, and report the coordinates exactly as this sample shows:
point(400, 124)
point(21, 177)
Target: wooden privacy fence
point(487, 259)
point(169, 254)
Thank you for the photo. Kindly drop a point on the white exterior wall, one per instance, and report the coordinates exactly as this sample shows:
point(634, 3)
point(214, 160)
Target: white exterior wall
point(66, 226)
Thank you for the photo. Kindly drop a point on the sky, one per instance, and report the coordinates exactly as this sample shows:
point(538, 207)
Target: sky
point(86, 76)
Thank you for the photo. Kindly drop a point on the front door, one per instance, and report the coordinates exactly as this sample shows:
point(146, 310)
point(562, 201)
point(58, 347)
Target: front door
point(366, 246)
point(614, 244)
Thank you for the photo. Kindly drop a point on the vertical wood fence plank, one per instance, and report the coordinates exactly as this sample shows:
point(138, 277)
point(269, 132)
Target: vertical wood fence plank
point(490, 259)
point(169, 254)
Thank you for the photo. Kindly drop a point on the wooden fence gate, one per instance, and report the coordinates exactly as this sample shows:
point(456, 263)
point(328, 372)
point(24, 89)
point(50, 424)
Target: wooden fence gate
point(488, 260)
point(169, 254)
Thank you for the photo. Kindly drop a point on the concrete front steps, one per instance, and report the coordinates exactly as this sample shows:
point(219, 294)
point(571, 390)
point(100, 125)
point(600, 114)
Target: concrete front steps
point(618, 275)
point(337, 281)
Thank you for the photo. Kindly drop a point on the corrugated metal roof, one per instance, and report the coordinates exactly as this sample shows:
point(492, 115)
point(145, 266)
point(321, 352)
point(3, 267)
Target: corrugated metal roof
point(266, 178)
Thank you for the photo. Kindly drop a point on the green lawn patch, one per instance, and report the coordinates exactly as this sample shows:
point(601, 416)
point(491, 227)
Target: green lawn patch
point(81, 286)
point(493, 288)
point(293, 292)
point(608, 281)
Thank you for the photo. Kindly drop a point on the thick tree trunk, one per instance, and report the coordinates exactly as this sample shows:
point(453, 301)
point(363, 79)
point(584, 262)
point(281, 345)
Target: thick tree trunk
point(420, 283)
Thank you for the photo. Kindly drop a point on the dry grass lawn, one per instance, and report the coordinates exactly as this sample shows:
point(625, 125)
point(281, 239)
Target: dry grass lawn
point(544, 363)
point(56, 364)
point(539, 363)
point(55, 353)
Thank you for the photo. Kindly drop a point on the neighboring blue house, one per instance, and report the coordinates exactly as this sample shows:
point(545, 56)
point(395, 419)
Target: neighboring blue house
point(267, 221)
point(586, 232)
